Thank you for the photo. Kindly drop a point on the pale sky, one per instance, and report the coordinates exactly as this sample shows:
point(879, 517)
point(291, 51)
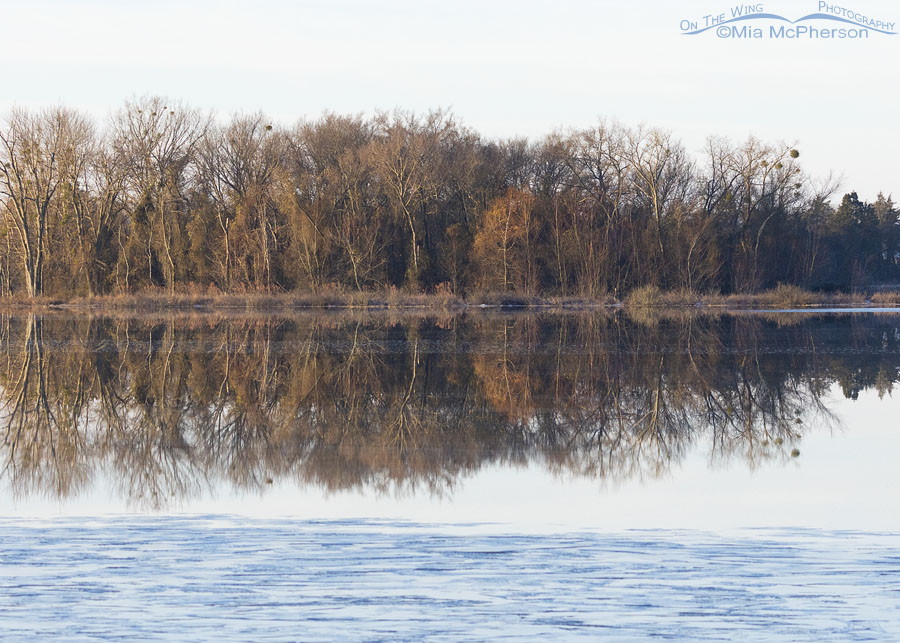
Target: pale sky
point(504, 68)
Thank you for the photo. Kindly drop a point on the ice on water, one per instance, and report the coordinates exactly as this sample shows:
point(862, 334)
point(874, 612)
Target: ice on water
point(687, 479)
point(229, 578)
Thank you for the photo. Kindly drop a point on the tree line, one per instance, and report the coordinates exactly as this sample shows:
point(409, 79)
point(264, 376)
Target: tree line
point(164, 196)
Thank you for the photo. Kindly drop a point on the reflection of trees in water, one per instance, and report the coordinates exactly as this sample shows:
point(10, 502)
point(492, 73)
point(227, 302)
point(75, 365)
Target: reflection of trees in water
point(44, 408)
point(170, 406)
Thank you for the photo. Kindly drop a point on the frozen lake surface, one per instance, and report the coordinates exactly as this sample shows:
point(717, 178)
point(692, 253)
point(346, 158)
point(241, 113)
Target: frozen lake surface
point(229, 578)
point(460, 477)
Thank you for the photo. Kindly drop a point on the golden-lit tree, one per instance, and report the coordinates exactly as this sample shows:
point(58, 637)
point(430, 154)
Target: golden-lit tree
point(504, 243)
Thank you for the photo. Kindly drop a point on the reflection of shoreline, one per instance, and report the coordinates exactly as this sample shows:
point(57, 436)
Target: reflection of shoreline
point(381, 405)
point(397, 303)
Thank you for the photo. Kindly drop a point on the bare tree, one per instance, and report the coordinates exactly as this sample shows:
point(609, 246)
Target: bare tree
point(404, 154)
point(157, 140)
point(662, 175)
point(98, 201)
point(38, 154)
point(240, 164)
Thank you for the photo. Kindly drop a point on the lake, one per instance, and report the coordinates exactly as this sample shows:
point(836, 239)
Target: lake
point(447, 476)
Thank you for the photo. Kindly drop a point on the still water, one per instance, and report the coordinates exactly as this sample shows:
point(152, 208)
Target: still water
point(475, 476)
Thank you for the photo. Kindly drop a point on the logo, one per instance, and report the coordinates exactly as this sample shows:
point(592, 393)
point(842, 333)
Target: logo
point(827, 22)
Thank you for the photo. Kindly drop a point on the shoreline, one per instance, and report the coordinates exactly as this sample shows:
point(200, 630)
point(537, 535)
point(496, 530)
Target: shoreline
point(646, 300)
